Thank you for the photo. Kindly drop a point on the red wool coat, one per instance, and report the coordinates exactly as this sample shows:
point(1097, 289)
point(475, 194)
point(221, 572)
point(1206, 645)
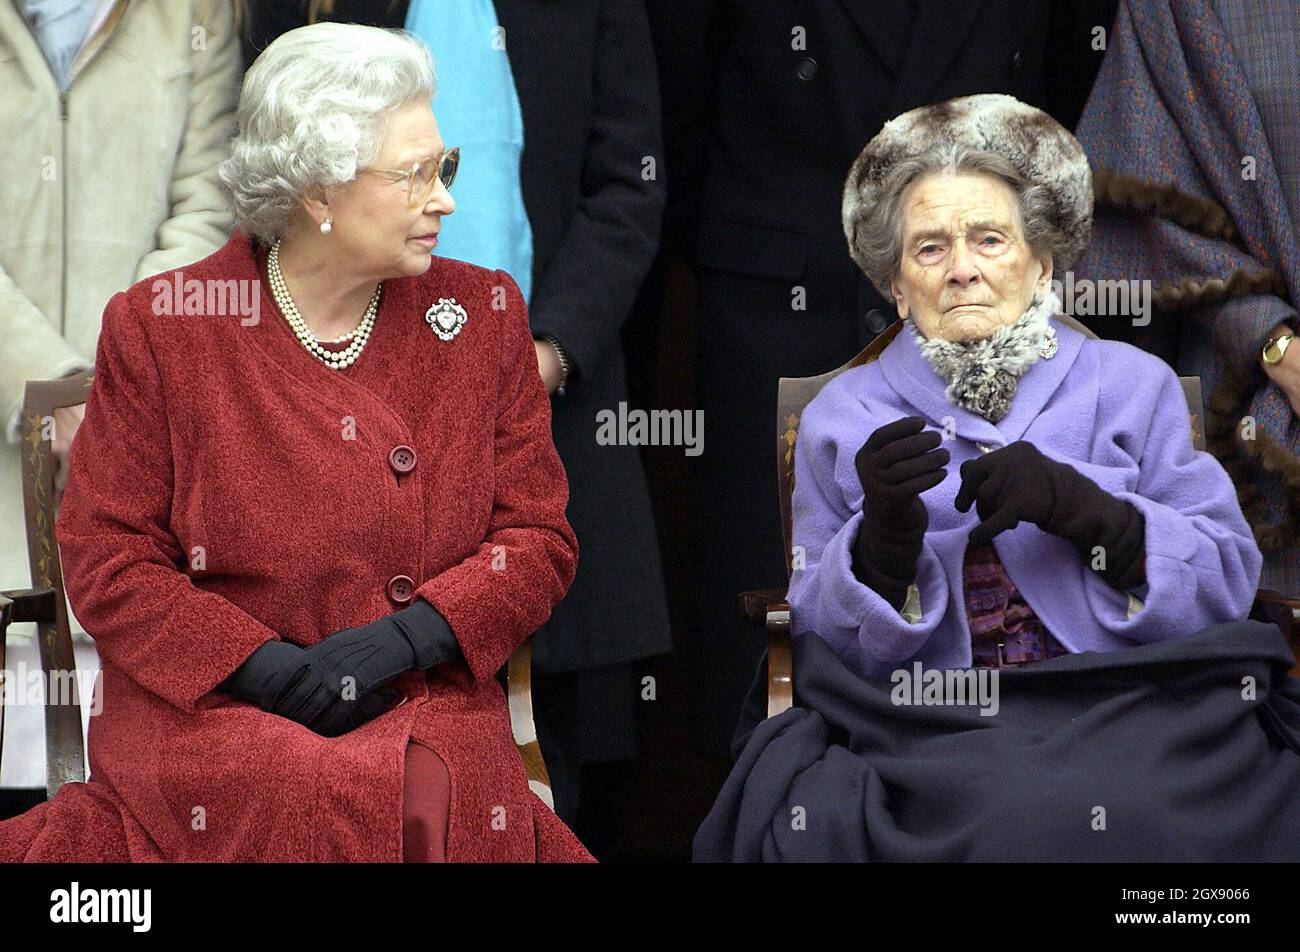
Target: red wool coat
point(203, 436)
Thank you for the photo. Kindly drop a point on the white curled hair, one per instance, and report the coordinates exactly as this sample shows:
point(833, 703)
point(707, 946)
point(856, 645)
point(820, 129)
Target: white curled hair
point(314, 108)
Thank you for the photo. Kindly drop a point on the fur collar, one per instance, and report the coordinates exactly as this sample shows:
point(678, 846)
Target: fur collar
point(982, 375)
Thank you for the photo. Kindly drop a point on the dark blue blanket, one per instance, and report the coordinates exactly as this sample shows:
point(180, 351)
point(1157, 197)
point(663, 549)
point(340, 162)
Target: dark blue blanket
point(1185, 750)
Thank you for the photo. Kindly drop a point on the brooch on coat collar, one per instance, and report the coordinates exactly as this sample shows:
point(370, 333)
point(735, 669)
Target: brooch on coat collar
point(1050, 344)
point(446, 317)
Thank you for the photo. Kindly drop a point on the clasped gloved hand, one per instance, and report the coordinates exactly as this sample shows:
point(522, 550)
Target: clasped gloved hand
point(337, 684)
point(897, 463)
point(1017, 483)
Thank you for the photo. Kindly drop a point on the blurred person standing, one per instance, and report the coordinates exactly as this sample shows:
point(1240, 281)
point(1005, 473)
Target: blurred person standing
point(125, 108)
point(557, 105)
point(1193, 133)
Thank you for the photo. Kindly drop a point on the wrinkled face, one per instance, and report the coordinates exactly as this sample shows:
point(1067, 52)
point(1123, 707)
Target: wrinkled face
point(375, 230)
point(965, 269)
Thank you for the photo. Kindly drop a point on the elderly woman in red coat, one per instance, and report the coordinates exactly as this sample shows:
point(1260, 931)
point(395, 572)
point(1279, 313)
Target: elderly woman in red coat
point(313, 508)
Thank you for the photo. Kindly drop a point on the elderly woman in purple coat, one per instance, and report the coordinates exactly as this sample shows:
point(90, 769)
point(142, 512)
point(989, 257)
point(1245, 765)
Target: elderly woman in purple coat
point(997, 488)
point(981, 517)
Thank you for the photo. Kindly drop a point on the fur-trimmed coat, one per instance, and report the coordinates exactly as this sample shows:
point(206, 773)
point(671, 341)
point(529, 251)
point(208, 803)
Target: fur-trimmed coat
point(227, 488)
point(1197, 153)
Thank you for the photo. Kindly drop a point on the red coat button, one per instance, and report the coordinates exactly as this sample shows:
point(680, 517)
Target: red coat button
point(401, 589)
point(402, 459)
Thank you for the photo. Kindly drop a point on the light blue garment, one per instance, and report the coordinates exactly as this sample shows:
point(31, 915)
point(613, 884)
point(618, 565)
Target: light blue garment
point(477, 109)
point(60, 28)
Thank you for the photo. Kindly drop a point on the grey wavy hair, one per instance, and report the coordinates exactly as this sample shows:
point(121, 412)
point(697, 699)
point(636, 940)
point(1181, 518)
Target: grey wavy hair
point(876, 229)
point(314, 108)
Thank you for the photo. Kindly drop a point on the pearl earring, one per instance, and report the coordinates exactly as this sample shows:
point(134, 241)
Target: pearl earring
point(325, 226)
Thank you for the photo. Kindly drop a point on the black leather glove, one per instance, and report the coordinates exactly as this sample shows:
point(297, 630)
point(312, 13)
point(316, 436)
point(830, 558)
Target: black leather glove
point(1017, 483)
point(897, 463)
point(270, 670)
point(307, 684)
point(336, 674)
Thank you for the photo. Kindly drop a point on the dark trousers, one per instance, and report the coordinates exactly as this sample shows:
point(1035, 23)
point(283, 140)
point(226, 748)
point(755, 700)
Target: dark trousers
point(586, 726)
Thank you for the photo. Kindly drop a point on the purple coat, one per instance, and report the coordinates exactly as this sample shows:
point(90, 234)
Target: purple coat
point(1115, 413)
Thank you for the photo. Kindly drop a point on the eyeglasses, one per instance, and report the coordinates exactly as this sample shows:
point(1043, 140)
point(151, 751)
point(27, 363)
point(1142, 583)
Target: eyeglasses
point(421, 175)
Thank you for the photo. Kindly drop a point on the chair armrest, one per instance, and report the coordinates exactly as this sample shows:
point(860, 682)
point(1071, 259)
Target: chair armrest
point(21, 605)
point(780, 661)
point(754, 605)
point(1283, 612)
point(1269, 597)
point(26, 604)
point(768, 607)
point(519, 692)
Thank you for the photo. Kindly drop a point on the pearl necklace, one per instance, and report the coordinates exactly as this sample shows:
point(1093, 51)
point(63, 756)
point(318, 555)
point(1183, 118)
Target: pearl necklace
point(336, 360)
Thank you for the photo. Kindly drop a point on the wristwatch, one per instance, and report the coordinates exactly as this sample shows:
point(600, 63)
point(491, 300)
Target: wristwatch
point(565, 364)
point(1276, 347)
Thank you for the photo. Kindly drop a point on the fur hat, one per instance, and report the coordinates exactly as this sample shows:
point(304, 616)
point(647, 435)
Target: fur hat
point(1039, 146)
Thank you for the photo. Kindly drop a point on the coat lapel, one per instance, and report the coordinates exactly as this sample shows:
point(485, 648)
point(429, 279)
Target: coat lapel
point(913, 55)
point(863, 53)
point(883, 41)
point(526, 33)
point(1042, 380)
point(275, 338)
point(17, 33)
point(910, 375)
point(937, 36)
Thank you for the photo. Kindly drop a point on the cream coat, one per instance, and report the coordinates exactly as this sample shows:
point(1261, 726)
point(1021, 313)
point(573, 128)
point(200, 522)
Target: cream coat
point(106, 184)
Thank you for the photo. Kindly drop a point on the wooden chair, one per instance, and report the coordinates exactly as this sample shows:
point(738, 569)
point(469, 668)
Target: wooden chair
point(768, 607)
point(45, 605)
